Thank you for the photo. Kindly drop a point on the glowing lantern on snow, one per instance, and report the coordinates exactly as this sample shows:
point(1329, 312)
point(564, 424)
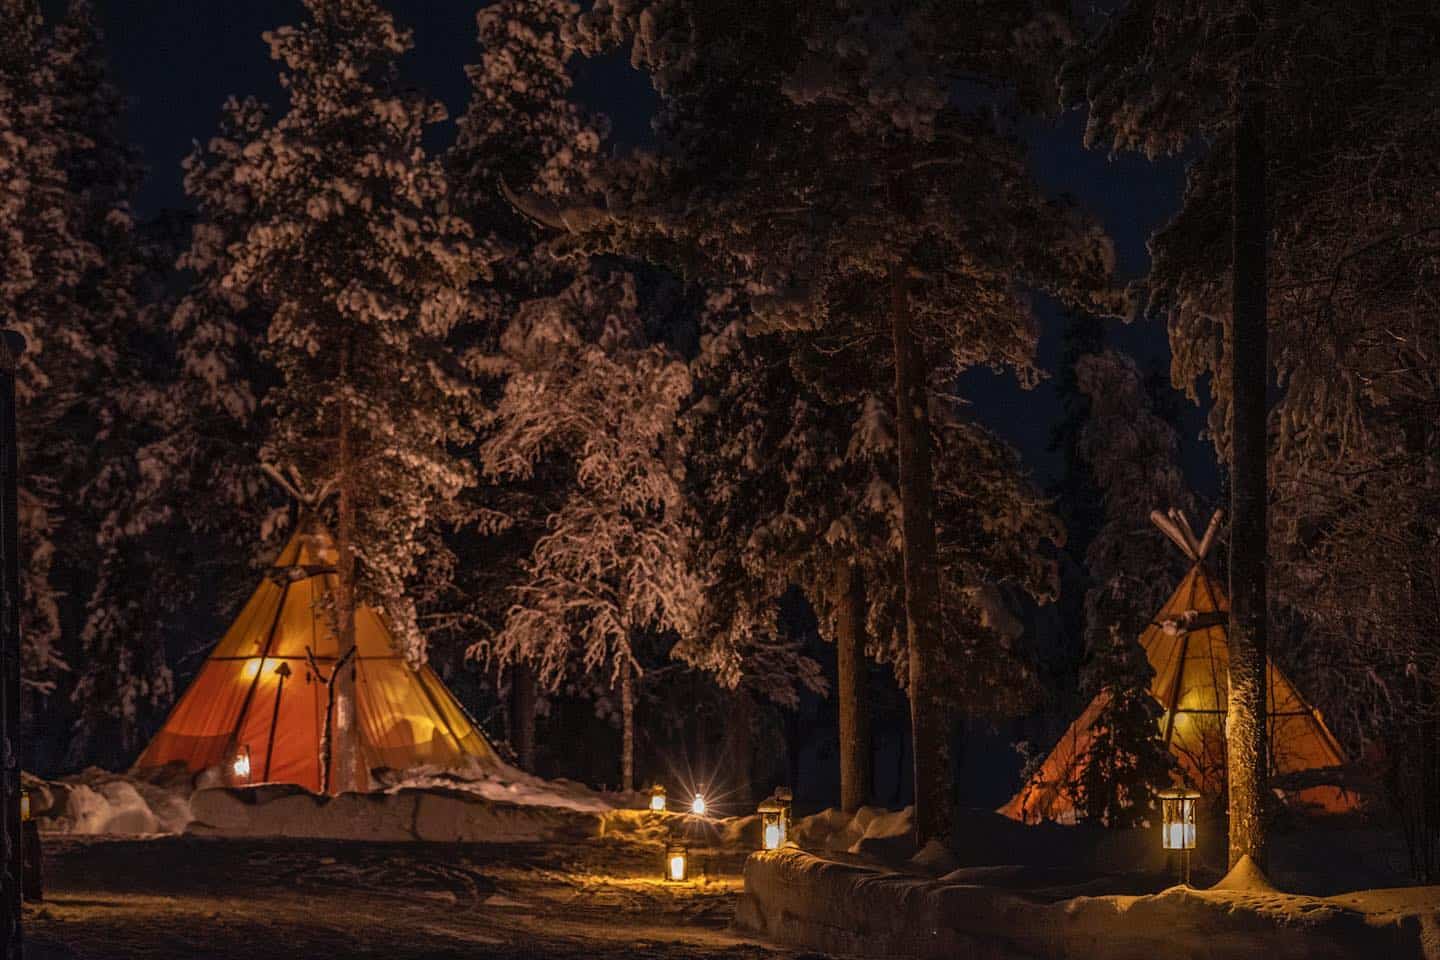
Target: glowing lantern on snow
point(240, 765)
point(657, 798)
point(677, 866)
point(775, 820)
point(697, 806)
point(1177, 826)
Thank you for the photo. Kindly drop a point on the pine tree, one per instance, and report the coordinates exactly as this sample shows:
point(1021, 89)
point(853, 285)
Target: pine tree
point(1132, 455)
point(614, 564)
point(1158, 76)
point(872, 177)
point(349, 249)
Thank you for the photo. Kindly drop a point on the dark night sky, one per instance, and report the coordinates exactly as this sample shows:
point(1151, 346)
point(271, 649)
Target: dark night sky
point(178, 60)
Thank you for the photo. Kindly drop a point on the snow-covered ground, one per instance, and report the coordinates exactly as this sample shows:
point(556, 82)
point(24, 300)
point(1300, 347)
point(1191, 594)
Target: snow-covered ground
point(825, 903)
point(174, 897)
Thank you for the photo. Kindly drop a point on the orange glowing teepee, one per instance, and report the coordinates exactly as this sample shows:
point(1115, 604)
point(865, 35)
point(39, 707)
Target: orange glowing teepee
point(258, 707)
point(1186, 646)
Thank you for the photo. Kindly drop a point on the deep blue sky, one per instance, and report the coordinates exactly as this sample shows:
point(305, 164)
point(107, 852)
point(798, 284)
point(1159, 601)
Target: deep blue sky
point(178, 60)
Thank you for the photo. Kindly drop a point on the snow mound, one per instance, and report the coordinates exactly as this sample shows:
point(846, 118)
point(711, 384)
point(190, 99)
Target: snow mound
point(99, 802)
point(1246, 877)
point(649, 826)
point(872, 832)
point(508, 785)
point(806, 901)
point(438, 814)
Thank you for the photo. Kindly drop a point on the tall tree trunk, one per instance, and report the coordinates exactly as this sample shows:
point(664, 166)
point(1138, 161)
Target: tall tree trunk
point(928, 726)
point(1246, 732)
point(627, 728)
point(347, 773)
point(741, 750)
point(851, 689)
point(522, 715)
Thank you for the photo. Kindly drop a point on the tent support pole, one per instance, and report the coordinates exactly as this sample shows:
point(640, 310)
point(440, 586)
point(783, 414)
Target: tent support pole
point(250, 694)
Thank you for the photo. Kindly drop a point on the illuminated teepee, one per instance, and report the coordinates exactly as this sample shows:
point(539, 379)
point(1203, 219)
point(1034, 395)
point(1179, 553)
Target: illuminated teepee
point(1186, 646)
point(259, 705)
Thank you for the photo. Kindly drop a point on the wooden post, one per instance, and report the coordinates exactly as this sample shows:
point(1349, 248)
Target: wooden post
point(11, 844)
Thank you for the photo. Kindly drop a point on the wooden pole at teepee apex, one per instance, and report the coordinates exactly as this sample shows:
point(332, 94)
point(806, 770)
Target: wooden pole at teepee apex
point(11, 843)
point(1249, 376)
point(346, 774)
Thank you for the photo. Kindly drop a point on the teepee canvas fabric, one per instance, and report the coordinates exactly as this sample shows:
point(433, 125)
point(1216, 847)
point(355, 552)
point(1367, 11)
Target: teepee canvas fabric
point(1187, 648)
point(259, 695)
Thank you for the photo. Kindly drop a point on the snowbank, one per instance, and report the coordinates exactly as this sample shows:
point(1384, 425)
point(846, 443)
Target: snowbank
point(803, 900)
point(98, 802)
point(436, 814)
point(872, 832)
point(509, 785)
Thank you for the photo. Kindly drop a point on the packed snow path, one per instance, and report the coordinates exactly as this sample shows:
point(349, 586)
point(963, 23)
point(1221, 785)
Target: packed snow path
point(185, 897)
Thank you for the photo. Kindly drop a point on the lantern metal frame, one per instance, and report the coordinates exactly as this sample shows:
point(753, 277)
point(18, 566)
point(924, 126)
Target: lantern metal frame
point(1178, 830)
point(672, 851)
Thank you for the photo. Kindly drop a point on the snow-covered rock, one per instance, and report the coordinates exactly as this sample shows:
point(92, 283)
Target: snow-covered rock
point(804, 900)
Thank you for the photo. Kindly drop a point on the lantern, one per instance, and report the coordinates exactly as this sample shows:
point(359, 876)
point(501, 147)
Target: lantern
point(1177, 826)
point(657, 798)
point(240, 765)
point(677, 863)
point(1177, 816)
point(697, 806)
point(24, 804)
point(775, 821)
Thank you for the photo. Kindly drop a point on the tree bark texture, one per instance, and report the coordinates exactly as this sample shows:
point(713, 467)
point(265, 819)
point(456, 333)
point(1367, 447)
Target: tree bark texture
point(627, 728)
point(928, 726)
point(347, 773)
point(1246, 733)
point(851, 688)
point(522, 715)
point(11, 844)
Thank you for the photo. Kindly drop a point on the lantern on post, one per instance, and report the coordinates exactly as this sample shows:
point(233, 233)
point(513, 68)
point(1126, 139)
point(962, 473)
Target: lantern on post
point(657, 798)
point(677, 863)
point(1177, 826)
point(697, 806)
point(775, 820)
point(240, 766)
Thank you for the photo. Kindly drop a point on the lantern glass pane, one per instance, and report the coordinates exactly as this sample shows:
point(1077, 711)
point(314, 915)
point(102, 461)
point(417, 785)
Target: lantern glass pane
point(675, 865)
point(1178, 822)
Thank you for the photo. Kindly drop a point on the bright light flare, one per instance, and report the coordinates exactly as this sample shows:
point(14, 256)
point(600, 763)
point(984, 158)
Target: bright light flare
point(697, 806)
point(677, 866)
point(772, 836)
point(240, 766)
